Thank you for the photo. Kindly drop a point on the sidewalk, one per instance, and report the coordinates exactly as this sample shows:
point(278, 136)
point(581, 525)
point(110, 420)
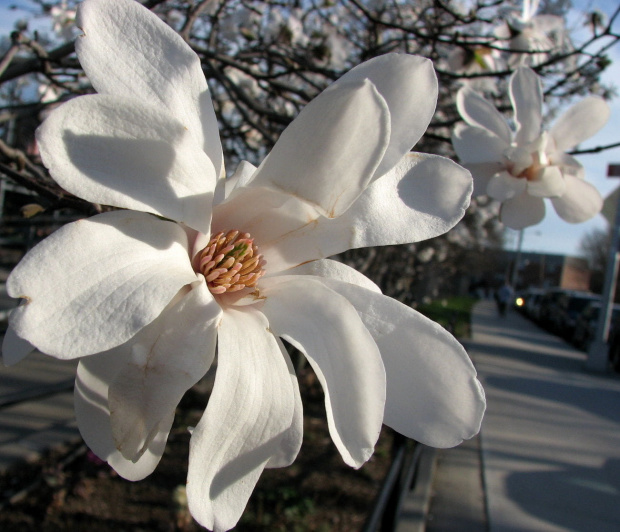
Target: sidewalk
point(36, 408)
point(550, 440)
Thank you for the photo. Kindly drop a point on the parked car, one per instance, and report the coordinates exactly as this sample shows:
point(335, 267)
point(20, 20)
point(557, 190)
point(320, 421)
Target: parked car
point(548, 306)
point(587, 321)
point(528, 302)
point(568, 305)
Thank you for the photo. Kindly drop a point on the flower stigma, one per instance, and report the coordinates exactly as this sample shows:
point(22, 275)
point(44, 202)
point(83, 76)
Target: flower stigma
point(231, 262)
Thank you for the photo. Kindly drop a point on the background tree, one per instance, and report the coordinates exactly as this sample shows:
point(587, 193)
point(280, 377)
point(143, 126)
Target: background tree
point(264, 60)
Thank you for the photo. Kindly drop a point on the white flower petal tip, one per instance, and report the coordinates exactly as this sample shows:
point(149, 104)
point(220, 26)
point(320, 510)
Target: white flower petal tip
point(521, 168)
point(121, 53)
point(86, 302)
point(150, 385)
point(250, 412)
point(129, 154)
point(579, 203)
point(339, 348)
point(335, 159)
point(418, 404)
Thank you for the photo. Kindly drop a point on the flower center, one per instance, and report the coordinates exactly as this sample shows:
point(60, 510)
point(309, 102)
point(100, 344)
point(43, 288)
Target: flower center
point(231, 262)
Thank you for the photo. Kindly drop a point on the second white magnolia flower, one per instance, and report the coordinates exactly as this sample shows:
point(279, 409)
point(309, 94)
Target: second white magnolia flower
point(520, 168)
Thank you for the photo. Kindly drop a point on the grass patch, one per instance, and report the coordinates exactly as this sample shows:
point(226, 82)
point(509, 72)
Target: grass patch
point(452, 313)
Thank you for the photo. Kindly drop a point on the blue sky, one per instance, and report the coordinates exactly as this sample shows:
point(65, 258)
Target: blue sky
point(553, 235)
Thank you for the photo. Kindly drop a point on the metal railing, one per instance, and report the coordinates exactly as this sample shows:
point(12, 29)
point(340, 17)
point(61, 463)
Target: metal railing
point(399, 481)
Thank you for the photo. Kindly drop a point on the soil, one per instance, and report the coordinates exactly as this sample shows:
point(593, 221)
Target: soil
point(71, 490)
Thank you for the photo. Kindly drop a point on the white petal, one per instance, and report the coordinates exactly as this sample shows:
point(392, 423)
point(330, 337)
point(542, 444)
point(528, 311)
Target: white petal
point(94, 375)
point(580, 122)
point(326, 328)
point(121, 152)
point(433, 395)
point(95, 283)
point(549, 183)
point(329, 153)
point(249, 413)
point(479, 112)
point(482, 174)
point(522, 211)
point(171, 355)
point(527, 99)
point(504, 185)
point(335, 270)
point(477, 145)
point(14, 348)
point(242, 176)
point(128, 51)
point(293, 437)
point(408, 84)
point(568, 164)
point(422, 197)
point(579, 203)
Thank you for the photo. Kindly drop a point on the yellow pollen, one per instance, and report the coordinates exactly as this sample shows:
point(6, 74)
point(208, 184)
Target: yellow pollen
point(231, 262)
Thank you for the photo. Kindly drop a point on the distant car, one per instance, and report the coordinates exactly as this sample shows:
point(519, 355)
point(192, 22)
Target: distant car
point(548, 306)
point(568, 307)
point(586, 323)
point(528, 301)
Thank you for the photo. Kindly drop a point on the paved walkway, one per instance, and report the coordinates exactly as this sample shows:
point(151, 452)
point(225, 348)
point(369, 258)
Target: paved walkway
point(36, 407)
point(550, 441)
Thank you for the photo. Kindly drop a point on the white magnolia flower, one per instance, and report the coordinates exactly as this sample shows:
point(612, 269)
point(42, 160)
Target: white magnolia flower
point(520, 168)
point(143, 300)
point(63, 18)
point(528, 32)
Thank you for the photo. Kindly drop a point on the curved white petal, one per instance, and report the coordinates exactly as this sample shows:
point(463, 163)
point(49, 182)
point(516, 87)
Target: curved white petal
point(422, 197)
point(14, 348)
point(242, 176)
point(476, 145)
point(503, 186)
point(330, 152)
point(335, 270)
point(293, 437)
point(94, 376)
point(522, 211)
point(549, 183)
point(408, 84)
point(171, 355)
point(128, 51)
point(326, 328)
point(433, 395)
point(568, 164)
point(527, 99)
point(580, 122)
point(548, 23)
point(482, 174)
point(93, 284)
point(479, 112)
point(580, 202)
point(249, 413)
point(119, 151)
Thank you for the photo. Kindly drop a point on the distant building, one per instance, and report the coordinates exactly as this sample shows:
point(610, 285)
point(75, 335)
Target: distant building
point(544, 270)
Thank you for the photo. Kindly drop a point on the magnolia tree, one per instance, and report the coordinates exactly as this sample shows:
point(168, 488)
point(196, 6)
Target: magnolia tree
point(264, 61)
point(227, 149)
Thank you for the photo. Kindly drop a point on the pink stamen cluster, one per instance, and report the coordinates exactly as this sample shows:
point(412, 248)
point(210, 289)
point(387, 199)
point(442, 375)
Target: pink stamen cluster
point(231, 262)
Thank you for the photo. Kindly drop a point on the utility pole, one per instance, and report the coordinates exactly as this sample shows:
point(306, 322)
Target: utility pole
point(598, 354)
